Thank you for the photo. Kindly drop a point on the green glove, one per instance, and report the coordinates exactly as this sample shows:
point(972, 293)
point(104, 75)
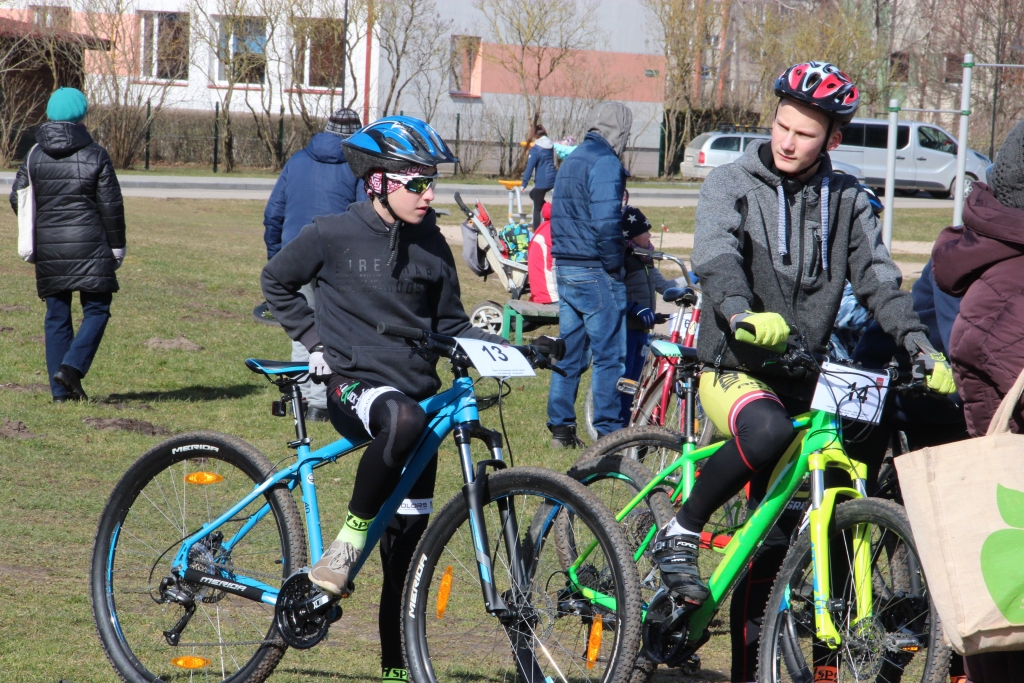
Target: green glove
point(937, 370)
point(768, 330)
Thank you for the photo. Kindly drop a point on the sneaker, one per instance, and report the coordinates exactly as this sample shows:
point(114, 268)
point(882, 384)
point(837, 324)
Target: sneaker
point(71, 379)
point(564, 436)
point(331, 572)
point(314, 414)
point(676, 557)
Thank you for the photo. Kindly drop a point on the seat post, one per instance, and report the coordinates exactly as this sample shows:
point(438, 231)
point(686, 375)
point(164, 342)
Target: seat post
point(295, 396)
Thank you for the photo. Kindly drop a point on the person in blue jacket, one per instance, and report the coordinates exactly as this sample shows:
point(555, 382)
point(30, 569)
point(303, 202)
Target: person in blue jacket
point(316, 181)
point(542, 163)
point(589, 252)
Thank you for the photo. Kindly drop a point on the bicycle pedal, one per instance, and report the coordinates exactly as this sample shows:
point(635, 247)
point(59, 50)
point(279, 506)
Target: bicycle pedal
point(627, 386)
point(349, 590)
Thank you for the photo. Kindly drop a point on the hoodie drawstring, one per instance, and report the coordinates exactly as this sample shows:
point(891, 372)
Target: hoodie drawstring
point(784, 222)
point(393, 242)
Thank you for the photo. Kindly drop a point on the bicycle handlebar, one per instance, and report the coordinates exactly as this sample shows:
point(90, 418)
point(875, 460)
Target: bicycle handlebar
point(462, 205)
point(448, 347)
point(410, 333)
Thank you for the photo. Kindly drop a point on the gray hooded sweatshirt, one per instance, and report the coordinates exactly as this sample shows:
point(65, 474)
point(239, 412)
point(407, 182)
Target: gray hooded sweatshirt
point(746, 263)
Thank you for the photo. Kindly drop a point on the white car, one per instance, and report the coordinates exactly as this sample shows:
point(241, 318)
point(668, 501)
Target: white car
point(925, 156)
point(709, 150)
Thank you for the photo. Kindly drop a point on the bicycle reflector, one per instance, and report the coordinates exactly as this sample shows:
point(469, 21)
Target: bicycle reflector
point(190, 662)
point(202, 478)
point(444, 592)
point(594, 641)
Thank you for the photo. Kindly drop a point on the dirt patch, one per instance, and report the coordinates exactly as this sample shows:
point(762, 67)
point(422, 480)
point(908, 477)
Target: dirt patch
point(14, 308)
point(126, 424)
point(24, 388)
point(6, 328)
point(179, 343)
point(17, 571)
point(15, 429)
point(38, 339)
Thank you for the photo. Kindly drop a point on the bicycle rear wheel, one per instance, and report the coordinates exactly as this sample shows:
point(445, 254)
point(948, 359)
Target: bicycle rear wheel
point(901, 640)
point(551, 629)
point(674, 414)
point(167, 495)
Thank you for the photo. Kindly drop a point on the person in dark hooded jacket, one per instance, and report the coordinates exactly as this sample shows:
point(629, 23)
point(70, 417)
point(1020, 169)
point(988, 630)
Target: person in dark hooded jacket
point(982, 261)
point(79, 237)
point(316, 181)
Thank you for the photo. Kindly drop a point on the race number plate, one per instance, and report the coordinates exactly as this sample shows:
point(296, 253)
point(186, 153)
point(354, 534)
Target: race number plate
point(495, 360)
point(854, 393)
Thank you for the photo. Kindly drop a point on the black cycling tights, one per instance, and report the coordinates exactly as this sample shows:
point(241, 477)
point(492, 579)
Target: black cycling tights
point(763, 431)
point(396, 423)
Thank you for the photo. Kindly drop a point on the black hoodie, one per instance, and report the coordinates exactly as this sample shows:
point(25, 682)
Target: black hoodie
point(79, 211)
point(348, 254)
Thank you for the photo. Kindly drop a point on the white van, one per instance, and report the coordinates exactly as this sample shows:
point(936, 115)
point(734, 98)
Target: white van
point(925, 156)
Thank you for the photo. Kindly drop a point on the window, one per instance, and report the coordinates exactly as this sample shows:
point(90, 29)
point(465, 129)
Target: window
point(899, 66)
point(933, 138)
point(242, 46)
point(729, 143)
point(954, 68)
point(464, 80)
point(853, 134)
point(877, 135)
point(320, 53)
point(51, 16)
point(165, 45)
point(699, 141)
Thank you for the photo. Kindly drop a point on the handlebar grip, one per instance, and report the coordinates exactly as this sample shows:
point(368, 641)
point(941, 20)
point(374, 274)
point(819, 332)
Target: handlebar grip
point(462, 205)
point(410, 333)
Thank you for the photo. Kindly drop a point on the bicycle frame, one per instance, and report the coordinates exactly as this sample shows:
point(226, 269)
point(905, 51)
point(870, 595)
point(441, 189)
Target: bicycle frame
point(815, 447)
point(453, 410)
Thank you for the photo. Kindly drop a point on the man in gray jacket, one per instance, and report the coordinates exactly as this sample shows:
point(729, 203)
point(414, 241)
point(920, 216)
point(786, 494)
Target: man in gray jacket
point(777, 236)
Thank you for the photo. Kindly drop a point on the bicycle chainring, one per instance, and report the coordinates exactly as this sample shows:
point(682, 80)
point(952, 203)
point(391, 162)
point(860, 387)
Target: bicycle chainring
point(304, 613)
point(665, 630)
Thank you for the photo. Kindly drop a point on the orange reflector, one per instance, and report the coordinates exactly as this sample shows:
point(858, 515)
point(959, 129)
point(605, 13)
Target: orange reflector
point(190, 661)
point(444, 592)
point(594, 642)
point(203, 478)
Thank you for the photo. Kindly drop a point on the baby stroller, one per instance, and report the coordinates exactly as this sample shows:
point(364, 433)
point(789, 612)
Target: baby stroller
point(502, 252)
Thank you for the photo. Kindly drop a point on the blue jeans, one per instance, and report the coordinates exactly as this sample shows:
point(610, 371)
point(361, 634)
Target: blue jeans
point(591, 316)
point(635, 342)
point(63, 346)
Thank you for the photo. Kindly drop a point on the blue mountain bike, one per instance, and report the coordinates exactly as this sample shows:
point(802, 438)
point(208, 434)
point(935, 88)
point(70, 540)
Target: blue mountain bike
point(199, 569)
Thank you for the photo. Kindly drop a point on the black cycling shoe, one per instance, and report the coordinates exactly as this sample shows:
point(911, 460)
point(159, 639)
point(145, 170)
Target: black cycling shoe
point(565, 437)
point(676, 557)
point(71, 379)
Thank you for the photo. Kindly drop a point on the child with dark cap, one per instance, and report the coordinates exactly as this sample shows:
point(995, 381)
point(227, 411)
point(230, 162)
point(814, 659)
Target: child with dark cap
point(643, 283)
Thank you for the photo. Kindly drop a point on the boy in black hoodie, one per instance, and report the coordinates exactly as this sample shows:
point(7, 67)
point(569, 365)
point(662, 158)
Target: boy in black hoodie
point(382, 261)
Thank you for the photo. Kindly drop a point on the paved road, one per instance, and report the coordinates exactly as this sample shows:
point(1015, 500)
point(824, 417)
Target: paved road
point(227, 187)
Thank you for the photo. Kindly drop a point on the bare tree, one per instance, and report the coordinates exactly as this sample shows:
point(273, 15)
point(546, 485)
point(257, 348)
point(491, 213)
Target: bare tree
point(537, 41)
point(25, 79)
point(414, 41)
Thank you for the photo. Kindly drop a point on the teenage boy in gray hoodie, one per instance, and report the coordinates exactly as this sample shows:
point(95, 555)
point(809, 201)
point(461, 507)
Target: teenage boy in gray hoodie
point(777, 236)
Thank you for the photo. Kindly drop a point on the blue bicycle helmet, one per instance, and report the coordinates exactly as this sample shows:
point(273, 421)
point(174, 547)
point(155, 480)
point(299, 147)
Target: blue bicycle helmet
point(394, 143)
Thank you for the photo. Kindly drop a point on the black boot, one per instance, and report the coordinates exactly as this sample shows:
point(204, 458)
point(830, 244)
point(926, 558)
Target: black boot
point(565, 437)
point(676, 557)
point(71, 379)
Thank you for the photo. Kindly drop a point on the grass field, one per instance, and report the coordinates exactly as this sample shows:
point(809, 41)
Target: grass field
point(192, 270)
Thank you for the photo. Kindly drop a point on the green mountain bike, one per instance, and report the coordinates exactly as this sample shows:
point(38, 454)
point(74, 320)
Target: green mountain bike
point(850, 602)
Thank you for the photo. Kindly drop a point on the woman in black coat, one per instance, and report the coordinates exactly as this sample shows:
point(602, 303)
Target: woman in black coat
point(79, 237)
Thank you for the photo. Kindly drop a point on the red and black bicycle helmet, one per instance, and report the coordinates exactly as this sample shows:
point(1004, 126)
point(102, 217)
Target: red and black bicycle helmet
point(820, 85)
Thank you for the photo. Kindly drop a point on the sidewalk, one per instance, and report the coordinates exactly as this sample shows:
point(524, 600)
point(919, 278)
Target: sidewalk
point(227, 187)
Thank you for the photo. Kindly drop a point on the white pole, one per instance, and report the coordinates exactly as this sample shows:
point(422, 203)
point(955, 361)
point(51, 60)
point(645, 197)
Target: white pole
point(890, 173)
point(961, 152)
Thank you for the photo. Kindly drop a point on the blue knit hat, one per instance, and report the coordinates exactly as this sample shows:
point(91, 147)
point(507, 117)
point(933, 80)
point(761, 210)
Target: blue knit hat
point(67, 104)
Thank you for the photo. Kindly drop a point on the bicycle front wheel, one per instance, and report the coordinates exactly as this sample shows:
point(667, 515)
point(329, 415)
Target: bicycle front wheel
point(168, 494)
point(554, 629)
point(900, 641)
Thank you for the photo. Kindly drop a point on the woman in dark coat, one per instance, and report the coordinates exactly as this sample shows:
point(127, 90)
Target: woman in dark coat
point(540, 164)
point(983, 261)
point(79, 237)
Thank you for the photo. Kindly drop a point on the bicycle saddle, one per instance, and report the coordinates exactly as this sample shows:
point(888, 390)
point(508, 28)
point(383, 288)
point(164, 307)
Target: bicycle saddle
point(285, 368)
point(666, 349)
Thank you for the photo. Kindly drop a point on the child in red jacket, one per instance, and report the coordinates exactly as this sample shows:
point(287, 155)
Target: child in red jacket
point(543, 289)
